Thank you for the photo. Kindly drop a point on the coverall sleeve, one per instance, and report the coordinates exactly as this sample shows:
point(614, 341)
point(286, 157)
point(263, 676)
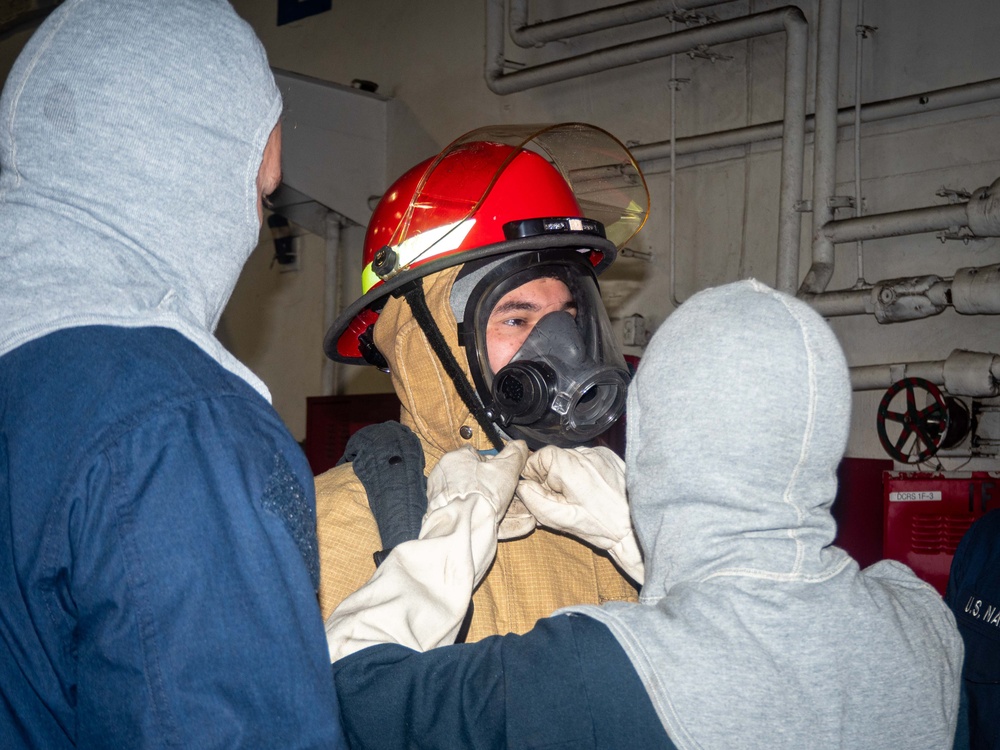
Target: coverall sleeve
point(566, 683)
point(973, 593)
point(192, 588)
point(531, 577)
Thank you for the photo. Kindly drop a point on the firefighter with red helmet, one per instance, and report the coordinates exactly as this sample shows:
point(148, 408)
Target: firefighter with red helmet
point(480, 298)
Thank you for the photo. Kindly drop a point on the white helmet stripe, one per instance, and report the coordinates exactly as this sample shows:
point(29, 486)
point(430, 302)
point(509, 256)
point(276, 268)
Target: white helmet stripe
point(433, 242)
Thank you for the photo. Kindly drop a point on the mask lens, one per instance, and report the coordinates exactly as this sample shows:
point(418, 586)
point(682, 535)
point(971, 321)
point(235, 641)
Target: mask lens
point(597, 406)
point(594, 402)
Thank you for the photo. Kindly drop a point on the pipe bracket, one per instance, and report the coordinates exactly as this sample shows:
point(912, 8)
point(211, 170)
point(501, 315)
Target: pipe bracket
point(983, 210)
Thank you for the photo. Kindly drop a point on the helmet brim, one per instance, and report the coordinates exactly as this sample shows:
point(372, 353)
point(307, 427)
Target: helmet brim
point(344, 348)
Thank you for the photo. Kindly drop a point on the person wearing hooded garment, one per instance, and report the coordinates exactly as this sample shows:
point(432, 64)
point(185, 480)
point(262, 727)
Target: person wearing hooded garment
point(159, 561)
point(752, 629)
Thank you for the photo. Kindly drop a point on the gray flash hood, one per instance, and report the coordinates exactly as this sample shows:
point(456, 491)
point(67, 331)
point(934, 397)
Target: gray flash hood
point(131, 134)
point(753, 630)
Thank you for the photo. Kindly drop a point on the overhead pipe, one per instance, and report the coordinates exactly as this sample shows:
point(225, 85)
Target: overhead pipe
point(929, 101)
point(524, 34)
point(620, 55)
point(963, 373)
point(824, 145)
point(981, 211)
point(895, 224)
point(788, 19)
point(860, 33)
point(972, 291)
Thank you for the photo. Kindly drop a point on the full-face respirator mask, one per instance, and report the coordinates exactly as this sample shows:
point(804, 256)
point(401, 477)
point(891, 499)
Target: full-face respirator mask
point(566, 383)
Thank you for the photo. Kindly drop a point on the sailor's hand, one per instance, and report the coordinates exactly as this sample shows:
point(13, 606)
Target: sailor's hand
point(581, 491)
point(464, 473)
point(420, 594)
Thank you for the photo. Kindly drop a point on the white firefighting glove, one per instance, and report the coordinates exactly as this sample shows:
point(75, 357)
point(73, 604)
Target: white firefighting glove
point(581, 491)
point(419, 595)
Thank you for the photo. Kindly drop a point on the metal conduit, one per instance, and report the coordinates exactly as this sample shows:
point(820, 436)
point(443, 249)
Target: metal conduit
point(788, 19)
point(859, 36)
point(896, 223)
point(828, 232)
point(963, 373)
point(524, 34)
point(793, 147)
point(824, 144)
point(673, 177)
point(929, 101)
point(880, 377)
point(622, 54)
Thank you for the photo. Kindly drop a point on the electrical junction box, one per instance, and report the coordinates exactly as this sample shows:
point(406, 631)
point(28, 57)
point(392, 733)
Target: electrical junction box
point(634, 331)
point(927, 514)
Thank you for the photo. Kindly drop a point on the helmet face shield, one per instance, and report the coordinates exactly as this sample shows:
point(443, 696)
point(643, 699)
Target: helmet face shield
point(542, 353)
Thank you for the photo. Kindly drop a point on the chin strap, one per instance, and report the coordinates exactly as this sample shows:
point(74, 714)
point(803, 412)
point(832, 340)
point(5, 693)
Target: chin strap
point(418, 304)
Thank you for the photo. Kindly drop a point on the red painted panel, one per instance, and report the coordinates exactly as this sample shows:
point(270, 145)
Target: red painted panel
point(926, 515)
point(858, 508)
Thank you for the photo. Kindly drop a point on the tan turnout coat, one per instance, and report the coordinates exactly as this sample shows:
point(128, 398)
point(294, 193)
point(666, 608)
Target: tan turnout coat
point(532, 576)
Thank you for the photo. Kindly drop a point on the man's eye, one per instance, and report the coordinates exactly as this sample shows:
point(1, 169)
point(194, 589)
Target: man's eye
point(265, 200)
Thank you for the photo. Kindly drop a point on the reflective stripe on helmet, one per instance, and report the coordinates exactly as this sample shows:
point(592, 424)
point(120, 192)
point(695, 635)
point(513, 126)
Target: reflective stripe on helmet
point(424, 246)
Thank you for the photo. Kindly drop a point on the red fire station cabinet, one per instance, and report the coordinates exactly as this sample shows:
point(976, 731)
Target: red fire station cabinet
point(926, 515)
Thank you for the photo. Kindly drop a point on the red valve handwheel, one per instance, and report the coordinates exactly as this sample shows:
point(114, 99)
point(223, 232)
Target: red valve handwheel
point(922, 429)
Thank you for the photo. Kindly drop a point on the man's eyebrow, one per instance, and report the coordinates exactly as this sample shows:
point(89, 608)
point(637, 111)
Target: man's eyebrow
point(523, 305)
point(514, 305)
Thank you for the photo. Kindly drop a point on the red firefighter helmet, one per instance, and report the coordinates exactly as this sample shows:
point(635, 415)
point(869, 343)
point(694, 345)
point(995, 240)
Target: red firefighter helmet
point(494, 191)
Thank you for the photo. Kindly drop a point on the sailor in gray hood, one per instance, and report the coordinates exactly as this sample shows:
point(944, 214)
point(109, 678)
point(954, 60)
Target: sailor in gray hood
point(752, 630)
point(158, 559)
